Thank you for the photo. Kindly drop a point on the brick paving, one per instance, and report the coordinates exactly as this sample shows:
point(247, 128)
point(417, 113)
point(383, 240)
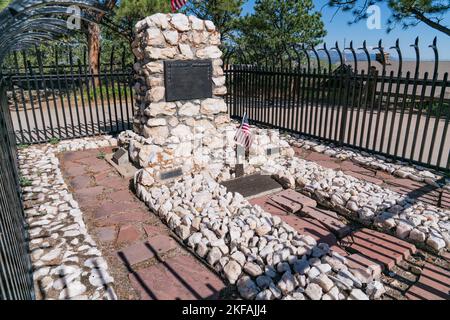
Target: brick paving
point(304, 225)
point(416, 190)
point(433, 284)
point(147, 263)
point(144, 259)
point(368, 251)
point(378, 247)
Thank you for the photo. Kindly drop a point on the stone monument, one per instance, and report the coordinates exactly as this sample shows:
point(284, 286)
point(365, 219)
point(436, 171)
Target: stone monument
point(181, 123)
point(179, 90)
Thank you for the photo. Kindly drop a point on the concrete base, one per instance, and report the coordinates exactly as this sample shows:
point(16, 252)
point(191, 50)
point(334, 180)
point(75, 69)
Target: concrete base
point(126, 171)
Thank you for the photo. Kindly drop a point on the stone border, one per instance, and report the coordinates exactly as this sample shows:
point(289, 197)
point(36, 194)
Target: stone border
point(66, 261)
point(397, 168)
point(265, 257)
point(368, 203)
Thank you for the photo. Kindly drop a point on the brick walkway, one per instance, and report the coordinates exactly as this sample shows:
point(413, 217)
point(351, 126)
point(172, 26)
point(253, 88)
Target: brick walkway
point(145, 261)
point(416, 190)
point(368, 251)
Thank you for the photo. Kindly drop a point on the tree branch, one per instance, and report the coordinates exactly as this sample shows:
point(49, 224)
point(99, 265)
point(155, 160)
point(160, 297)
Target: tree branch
point(420, 16)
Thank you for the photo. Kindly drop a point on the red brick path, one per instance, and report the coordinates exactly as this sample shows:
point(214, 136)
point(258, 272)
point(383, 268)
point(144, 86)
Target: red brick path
point(145, 261)
point(417, 190)
point(433, 284)
point(378, 247)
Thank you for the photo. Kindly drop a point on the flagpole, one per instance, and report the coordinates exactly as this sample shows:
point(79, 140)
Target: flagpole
point(243, 118)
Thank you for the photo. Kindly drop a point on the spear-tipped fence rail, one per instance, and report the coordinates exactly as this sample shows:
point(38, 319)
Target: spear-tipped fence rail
point(63, 99)
point(371, 99)
point(23, 25)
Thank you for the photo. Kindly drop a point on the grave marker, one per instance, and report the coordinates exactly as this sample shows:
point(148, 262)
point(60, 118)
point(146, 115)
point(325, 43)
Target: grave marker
point(120, 157)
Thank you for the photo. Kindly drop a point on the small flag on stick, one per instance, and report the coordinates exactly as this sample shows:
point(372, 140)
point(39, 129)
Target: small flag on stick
point(243, 135)
point(177, 4)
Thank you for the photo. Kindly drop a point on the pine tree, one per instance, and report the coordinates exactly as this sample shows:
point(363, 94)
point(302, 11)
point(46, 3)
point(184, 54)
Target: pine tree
point(277, 25)
point(406, 13)
point(224, 14)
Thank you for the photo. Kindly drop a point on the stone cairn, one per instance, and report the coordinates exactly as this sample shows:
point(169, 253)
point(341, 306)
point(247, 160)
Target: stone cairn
point(169, 129)
point(196, 134)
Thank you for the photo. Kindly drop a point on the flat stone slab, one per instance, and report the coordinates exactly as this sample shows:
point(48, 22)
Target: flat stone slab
point(252, 186)
point(268, 205)
point(433, 284)
point(180, 277)
point(303, 225)
point(378, 247)
point(142, 251)
point(126, 170)
point(329, 219)
point(311, 227)
point(292, 200)
point(364, 265)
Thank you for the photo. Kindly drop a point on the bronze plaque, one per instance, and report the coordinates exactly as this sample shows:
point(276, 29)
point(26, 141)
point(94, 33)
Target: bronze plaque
point(188, 79)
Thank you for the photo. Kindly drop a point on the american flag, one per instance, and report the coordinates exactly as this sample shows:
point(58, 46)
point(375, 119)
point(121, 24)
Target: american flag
point(243, 135)
point(177, 4)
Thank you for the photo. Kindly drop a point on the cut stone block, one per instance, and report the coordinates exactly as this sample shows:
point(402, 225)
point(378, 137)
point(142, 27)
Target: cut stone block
point(365, 266)
point(252, 186)
point(329, 219)
point(378, 247)
point(142, 251)
point(181, 277)
point(120, 157)
point(292, 201)
point(433, 284)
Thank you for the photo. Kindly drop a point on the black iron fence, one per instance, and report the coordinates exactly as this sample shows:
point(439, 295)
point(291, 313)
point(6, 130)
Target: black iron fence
point(15, 265)
point(63, 98)
point(377, 103)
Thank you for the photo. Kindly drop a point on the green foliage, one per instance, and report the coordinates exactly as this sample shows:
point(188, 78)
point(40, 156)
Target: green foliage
point(53, 141)
point(4, 4)
point(224, 13)
point(24, 182)
point(278, 24)
point(108, 91)
point(405, 13)
point(134, 10)
point(101, 155)
point(22, 146)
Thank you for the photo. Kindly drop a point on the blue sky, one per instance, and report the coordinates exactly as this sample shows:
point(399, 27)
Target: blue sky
point(338, 29)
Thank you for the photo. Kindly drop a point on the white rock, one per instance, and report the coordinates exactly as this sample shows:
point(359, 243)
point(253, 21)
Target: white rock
point(73, 289)
point(247, 288)
point(436, 243)
point(210, 25)
point(196, 23)
point(375, 289)
point(357, 294)
point(183, 231)
point(324, 282)
point(313, 291)
point(213, 106)
point(55, 253)
point(171, 36)
point(417, 235)
point(239, 257)
point(211, 52)
point(214, 255)
point(180, 22)
point(253, 269)
point(232, 271)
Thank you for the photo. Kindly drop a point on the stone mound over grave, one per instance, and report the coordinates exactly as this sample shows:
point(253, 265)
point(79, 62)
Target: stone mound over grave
point(265, 257)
